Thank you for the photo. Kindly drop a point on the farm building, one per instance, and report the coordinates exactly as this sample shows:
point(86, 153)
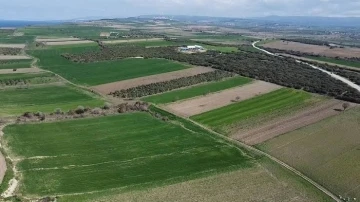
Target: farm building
point(194, 48)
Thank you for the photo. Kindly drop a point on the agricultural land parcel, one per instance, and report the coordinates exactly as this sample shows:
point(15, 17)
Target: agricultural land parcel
point(198, 90)
point(44, 98)
point(199, 105)
point(337, 61)
point(15, 64)
point(314, 49)
point(275, 103)
point(101, 72)
point(106, 157)
point(327, 152)
point(130, 83)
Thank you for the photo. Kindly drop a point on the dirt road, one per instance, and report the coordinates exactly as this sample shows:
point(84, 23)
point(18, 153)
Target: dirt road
point(3, 167)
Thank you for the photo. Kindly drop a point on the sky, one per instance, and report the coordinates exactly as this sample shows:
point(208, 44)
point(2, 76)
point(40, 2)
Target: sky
point(73, 9)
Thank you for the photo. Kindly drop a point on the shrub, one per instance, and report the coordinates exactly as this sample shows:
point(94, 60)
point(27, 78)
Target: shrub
point(96, 111)
point(80, 110)
point(58, 111)
point(107, 106)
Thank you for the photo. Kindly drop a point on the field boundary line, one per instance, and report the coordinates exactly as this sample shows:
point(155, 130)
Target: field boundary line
point(278, 161)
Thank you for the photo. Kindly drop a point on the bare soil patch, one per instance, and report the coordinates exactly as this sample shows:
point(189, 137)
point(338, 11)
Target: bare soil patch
point(57, 39)
point(21, 70)
point(14, 57)
point(12, 45)
point(210, 102)
point(59, 43)
point(290, 123)
point(315, 49)
point(131, 40)
point(111, 87)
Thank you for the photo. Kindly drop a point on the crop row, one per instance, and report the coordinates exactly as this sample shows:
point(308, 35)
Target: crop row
point(10, 51)
point(282, 71)
point(160, 87)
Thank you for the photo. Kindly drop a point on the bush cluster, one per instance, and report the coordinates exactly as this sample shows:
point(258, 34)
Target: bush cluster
point(160, 87)
point(10, 51)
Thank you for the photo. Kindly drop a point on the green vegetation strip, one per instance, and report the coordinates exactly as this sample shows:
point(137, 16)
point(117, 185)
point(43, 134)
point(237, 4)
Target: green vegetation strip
point(35, 78)
point(255, 107)
point(336, 61)
point(44, 98)
point(197, 90)
point(101, 72)
point(125, 152)
point(15, 64)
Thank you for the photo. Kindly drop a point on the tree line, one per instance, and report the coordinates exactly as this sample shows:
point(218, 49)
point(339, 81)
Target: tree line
point(282, 71)
point(160, 87)
point(10, 51)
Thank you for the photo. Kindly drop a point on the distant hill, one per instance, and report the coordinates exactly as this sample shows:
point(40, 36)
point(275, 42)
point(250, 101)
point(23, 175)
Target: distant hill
point(21, 23)
point(313, 21)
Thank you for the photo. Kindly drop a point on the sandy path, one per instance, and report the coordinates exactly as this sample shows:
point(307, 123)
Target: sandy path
point(22, 70)
point(131, 40)
point(56, 39)
point(59, 43)
point(210, 102)
point(12, 45)
point(14, 57)
point(2, 159)
point(111, 87)
point(290, 123)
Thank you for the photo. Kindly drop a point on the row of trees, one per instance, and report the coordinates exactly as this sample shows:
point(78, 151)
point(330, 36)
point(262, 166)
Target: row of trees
point(10, 51)
point(283, 71)
point(160, 87)
point(308, 41)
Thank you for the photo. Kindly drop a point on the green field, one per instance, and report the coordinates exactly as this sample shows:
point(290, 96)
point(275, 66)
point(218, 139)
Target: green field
point(124, 152)
point(225, 49)
point(17, 39)
point(34, 78)
point(101, 72)
point(199, 90)
point(336, 61)
point(269, 104)
point(45, 99)
point(15, 64)
point(327, 152)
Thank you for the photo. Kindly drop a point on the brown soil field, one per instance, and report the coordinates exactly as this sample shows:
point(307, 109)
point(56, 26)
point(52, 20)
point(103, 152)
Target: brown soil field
point(56, 39)
point(210, 102)
point(299, 119)
point(131, 40)
point(14, 57)
point(59, 43)
point(327, 152)
point(315, 49)
point(263, 182)
point(111, 87)
point(21, 70)
point(12, 45)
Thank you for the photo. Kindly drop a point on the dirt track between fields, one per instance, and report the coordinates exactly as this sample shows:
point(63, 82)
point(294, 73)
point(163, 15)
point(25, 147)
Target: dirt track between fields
point(131, 40)
point(315, 49)
point(210, 102)
point(3, 167)
point(56, 39)
point(60, 43)
point(290, 123)
point(12, 45)
point(18, 71)
point(111, 87)
point(14, 57)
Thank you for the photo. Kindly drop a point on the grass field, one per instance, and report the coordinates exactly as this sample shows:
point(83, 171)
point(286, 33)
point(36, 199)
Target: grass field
point(16, 64)
point(197, 90)
point(327, 152)
point(101, 72)
point(268, 104)
point(264, 182)
point(45, 99)
point(124, 152)
point(17, 39)
point(35, 78)
point(336, 61)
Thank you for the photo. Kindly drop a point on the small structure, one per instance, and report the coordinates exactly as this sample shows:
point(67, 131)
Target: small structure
point(192, 49)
